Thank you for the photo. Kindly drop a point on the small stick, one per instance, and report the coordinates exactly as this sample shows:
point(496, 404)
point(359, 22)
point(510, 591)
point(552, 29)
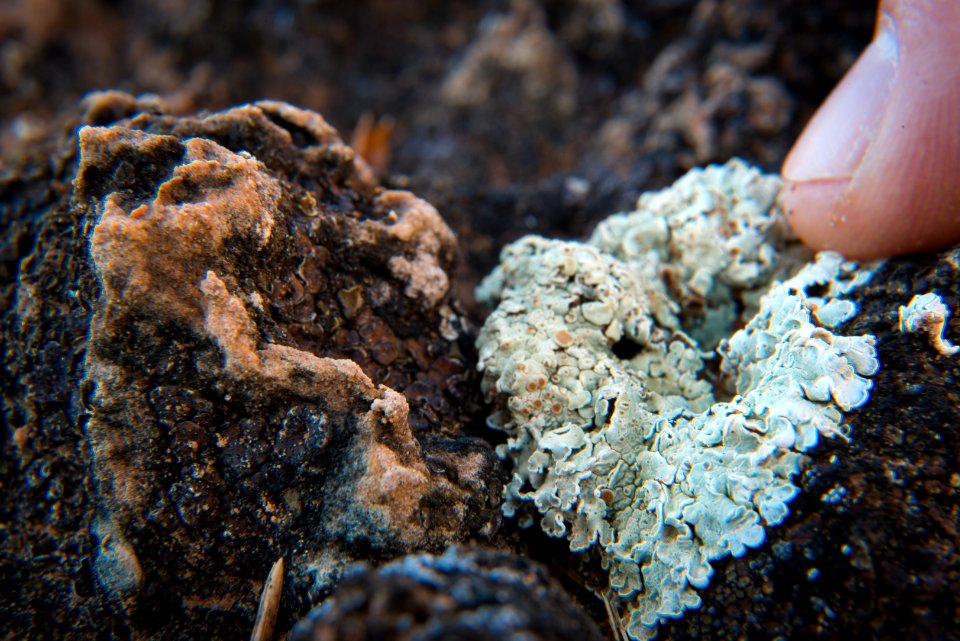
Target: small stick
point(269, 604)
point(614, 618)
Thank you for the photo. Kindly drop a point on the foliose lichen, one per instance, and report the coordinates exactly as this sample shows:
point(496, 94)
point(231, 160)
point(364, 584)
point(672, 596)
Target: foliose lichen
point(927, 312)
point(633, 426)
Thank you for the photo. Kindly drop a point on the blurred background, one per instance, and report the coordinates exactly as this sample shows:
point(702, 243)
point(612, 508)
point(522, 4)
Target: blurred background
point(510, 117)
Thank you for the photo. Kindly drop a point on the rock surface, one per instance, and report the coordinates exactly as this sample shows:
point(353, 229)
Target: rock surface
point(872, 547)
point(228, 346)
point(143, 423)
point(463, 594)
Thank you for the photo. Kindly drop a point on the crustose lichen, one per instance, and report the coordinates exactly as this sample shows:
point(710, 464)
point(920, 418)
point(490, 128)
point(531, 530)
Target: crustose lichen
point(635, 427)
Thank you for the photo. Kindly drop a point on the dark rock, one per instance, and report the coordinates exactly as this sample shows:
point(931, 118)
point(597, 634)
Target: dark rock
point(473, 595)
point(199, 352)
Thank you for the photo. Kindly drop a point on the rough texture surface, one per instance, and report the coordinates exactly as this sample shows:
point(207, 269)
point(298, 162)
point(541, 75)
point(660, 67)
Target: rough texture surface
point(480, 595)
point(668, 83)
point(252, 350)
point(871, 548)
point(626, 432)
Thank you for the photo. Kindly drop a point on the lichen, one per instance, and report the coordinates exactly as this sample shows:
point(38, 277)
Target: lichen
point(927, 312)
point(267, 365)
point(628, 433)
point(177, 258)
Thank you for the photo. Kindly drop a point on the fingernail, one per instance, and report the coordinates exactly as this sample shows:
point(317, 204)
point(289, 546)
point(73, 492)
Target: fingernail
point(839, 134)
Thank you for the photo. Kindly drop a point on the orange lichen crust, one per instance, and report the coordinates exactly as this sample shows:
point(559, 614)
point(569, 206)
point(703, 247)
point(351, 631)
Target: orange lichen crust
point(273, 367)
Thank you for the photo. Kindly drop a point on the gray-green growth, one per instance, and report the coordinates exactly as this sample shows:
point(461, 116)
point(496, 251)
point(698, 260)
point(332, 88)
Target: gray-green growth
point(595, 360)
point(927, 312)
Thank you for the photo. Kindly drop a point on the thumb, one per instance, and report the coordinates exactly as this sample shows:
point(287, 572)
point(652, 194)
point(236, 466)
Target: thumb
point(877, 170)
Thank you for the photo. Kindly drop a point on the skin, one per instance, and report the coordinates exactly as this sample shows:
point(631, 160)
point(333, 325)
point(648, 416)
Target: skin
point(877, 170)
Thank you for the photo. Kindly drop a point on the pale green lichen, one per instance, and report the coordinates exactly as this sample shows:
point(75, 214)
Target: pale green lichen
point(627, 433)
point(927, 312)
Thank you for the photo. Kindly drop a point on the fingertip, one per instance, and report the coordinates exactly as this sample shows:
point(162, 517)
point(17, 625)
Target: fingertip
point(815, 210)
point(840, 134)
point(875, 172)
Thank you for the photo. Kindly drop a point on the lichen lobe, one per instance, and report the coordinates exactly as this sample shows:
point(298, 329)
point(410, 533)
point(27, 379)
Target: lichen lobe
point(626, 433)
